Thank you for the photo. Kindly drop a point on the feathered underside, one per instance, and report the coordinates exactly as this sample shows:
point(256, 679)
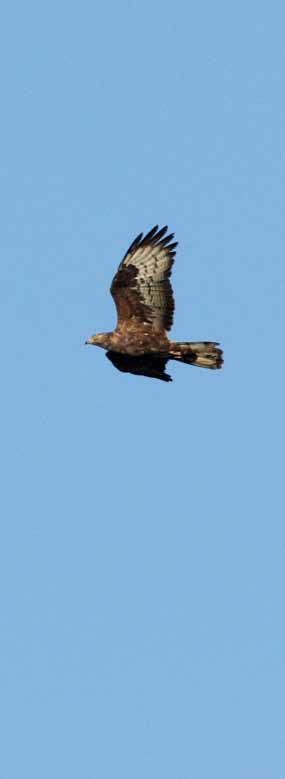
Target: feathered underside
point(141, 287)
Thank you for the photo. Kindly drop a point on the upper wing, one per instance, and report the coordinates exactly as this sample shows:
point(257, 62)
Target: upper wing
point(141, 287)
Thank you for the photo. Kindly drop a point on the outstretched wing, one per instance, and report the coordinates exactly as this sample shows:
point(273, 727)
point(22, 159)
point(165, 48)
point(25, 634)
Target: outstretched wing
point(151, 365)
point(141, 287)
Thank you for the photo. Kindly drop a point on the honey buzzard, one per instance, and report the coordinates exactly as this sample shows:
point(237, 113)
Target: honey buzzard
point(145, 305)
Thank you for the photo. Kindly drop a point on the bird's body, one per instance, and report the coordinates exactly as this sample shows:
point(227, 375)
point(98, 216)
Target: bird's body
point(145, 306)
point(129, 341)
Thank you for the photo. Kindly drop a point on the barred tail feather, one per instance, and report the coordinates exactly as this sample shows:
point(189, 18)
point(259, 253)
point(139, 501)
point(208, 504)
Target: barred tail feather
point(204, 354)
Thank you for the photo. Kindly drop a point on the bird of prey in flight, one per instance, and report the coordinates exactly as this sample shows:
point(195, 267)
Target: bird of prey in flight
point(145, 305)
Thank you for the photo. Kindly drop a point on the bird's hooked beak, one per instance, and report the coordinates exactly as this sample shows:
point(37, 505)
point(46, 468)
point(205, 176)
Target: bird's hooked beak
point(89, 341)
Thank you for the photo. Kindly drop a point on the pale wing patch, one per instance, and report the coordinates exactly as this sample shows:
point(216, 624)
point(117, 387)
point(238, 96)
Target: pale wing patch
point(151, 259)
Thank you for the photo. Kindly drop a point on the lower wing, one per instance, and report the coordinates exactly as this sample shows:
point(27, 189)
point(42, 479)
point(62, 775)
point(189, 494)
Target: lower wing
point(151, 365)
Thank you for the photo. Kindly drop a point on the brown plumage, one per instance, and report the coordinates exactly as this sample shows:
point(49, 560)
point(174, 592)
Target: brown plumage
point(145, 306)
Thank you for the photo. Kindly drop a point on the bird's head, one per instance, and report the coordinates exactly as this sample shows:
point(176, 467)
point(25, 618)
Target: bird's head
point(97, 340)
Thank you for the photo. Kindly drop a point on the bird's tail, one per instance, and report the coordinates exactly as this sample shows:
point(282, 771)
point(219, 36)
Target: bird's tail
point(204, 354)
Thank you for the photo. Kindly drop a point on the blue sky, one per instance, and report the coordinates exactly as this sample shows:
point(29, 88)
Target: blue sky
point(142, 542)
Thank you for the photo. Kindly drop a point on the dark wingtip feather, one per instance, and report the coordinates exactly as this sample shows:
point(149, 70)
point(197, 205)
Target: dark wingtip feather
point(134, 244)
point(155, 237)
point(161, 233)
point(165, 241)
point(151, 236)
point(151, 233)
